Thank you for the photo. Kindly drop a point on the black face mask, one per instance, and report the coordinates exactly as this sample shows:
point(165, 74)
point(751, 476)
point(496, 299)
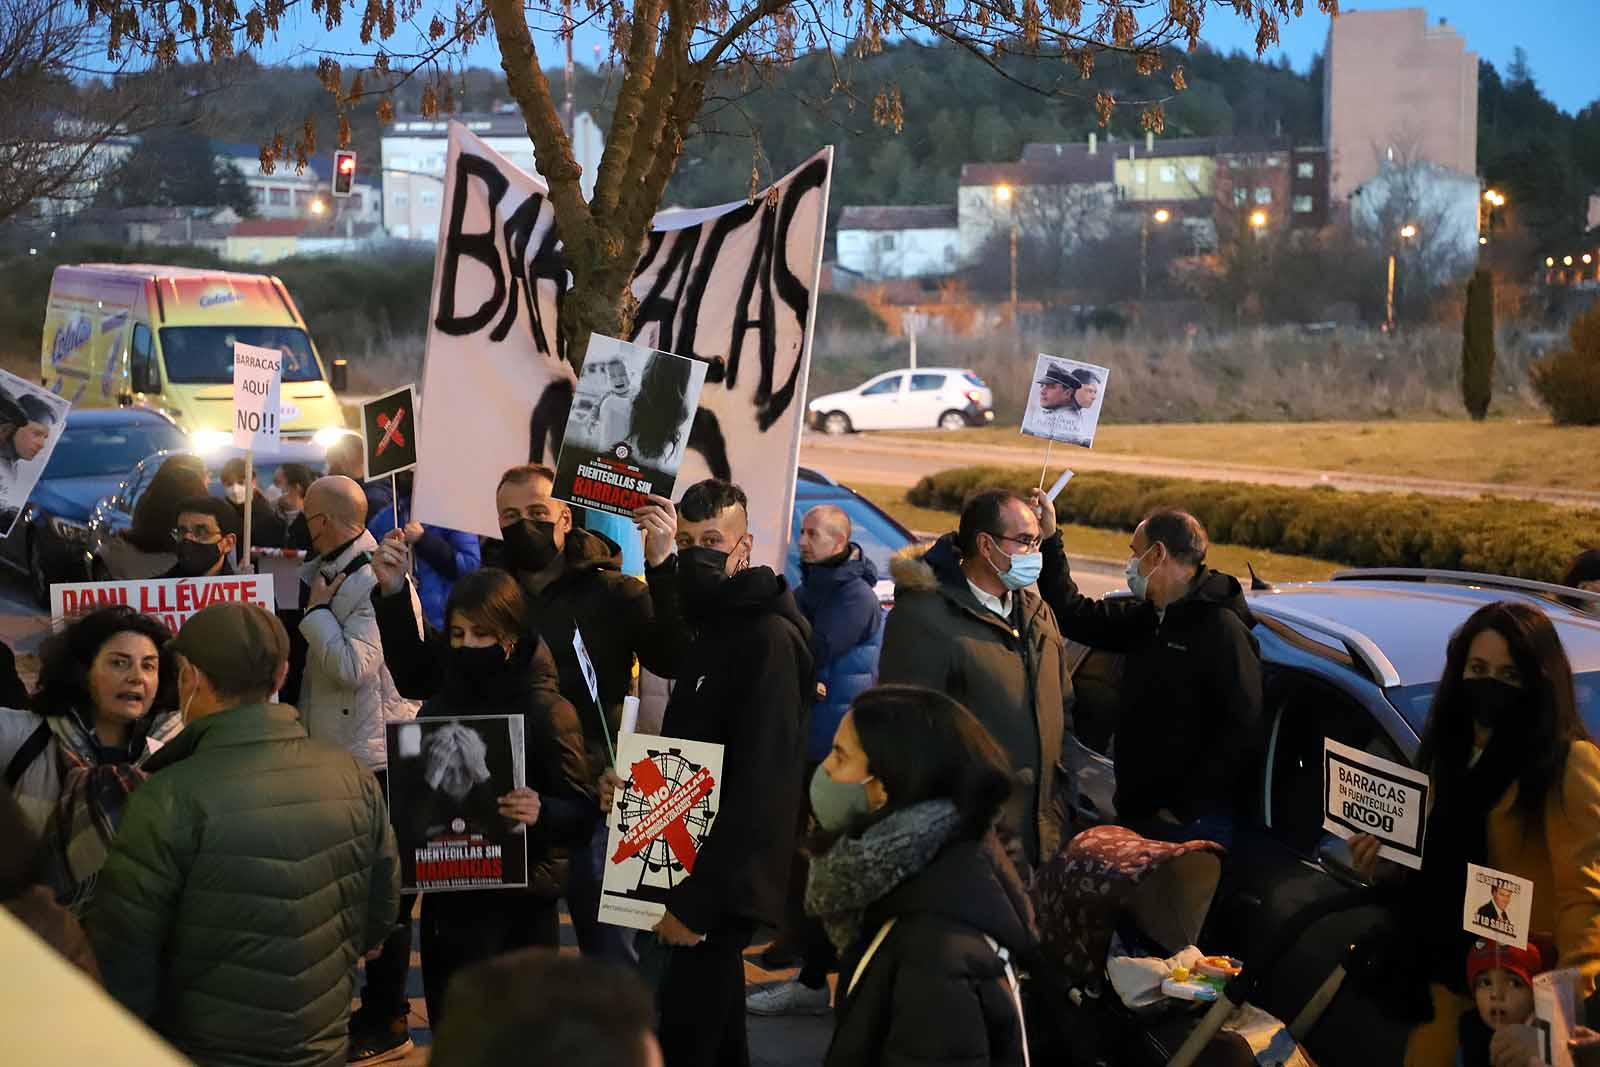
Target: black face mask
point(195, 559)
point(701, 572)
point(1493, 703)
point(530, 544)
point(478, 663)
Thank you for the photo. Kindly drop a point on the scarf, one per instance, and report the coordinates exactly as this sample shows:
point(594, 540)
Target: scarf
point(93, 793)
point(859, 871)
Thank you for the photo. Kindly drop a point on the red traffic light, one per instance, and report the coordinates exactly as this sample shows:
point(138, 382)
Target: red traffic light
point(344, 172)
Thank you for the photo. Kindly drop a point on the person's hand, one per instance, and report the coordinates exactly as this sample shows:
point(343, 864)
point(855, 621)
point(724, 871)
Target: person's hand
point(374, 954)
point(392, 562)
point(672, 932)
point(658, 525)
point(1045, 510)
point(822, 691)
point(609, 784)
point(521, 805)
point(1516, 1046)
point(323, 591)
point(412, 532)
point(1364, 855)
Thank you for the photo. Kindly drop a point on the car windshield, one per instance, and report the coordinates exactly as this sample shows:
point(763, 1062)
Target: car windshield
point(102, 451)
point(877, 535)
point(203, 355)
point(1413, 701)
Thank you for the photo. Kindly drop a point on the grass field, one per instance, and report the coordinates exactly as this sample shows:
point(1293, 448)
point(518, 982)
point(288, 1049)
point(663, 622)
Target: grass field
point(1498, 451)
point(1096, 543)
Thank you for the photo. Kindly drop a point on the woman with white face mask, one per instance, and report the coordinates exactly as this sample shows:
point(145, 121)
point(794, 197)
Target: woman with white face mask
point(266, 528)
point(104, 704)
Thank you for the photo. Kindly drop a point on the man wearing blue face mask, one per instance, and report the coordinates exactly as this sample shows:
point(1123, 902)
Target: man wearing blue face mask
point(1188, 734)
point(966, 622)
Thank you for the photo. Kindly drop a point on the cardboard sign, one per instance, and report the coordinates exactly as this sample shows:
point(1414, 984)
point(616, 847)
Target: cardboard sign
point(172, 600)
point(1064, 401)
point(628, 430)
point(1555, 1014)
point(1498, 906)
point(389, 433)
point(257, 412)
point(446, 778)
point(1367, 794)
point(31, 422)
point(662, 815)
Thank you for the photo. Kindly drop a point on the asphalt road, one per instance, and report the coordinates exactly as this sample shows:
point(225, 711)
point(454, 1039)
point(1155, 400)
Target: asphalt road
point(890, 459)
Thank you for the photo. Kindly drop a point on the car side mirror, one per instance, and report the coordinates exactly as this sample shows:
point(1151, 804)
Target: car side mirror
point(143, 376)
point(1335, 858)
point(340, 376)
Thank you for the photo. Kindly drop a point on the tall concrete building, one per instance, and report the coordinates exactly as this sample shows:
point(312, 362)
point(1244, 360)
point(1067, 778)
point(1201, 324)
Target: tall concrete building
point(1399, 91)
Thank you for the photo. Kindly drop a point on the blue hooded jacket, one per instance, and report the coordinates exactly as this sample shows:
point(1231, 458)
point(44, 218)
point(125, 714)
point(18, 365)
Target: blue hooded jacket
point(442, 556)
point(841, 603)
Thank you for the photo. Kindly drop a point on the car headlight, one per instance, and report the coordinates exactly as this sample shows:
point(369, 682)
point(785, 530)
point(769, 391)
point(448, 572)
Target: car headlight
point(210, 440)
point(69, 531)
point(327, 436)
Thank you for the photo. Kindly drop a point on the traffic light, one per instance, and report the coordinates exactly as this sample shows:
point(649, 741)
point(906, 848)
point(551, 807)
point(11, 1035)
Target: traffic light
point(344, 172)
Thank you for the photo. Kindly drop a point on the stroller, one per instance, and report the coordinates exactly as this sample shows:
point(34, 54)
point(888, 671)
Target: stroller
point(1109, 907)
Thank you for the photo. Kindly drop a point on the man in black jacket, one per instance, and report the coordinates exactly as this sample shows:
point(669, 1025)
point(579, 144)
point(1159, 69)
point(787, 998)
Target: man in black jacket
point(1188, 736)
point(745, 684)
point(576, 589)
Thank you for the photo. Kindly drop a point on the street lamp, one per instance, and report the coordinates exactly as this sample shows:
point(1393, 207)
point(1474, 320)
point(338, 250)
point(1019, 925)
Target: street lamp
point(1407, 232)
point(1003, 194)
point(1566, 261)
point(1549, 261)
point(318, 207)
point(1258, 219)
point(1160, 217)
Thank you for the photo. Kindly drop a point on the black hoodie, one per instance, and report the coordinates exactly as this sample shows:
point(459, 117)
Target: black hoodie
point(746, 684)
point(1189, 724)
point(936, 991)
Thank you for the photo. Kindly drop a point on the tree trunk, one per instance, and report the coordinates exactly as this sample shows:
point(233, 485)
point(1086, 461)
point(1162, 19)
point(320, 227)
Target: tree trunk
point(1477, 345)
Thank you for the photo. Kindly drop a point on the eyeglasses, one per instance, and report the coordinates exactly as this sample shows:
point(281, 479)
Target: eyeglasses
point(205, 535)
point(1027, 544)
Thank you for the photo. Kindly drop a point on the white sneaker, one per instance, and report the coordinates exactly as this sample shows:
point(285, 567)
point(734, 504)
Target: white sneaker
point(788, 998)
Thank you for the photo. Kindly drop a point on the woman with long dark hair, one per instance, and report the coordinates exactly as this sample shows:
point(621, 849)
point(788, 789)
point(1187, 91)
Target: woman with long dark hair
point(496, 669)
point(107, 689)
point(657, 431)
point(1516, 788)
point(914, 889)
point(146, 549)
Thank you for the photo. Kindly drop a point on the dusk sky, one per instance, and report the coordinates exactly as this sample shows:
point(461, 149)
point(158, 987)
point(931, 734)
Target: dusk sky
point(1557, 34)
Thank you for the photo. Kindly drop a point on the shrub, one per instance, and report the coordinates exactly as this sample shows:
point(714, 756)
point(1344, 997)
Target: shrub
point(1519, 538)
point(1568, 382)
point(1477, 345)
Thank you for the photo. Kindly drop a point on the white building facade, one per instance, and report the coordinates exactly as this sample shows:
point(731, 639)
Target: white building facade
point(880, 243)
point(288, 193)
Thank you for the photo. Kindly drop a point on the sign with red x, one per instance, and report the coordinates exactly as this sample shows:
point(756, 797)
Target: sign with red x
point(388, 429)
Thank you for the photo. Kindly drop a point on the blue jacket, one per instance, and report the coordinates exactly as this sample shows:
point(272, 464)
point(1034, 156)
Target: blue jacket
point(442, 556)
point(841, 603)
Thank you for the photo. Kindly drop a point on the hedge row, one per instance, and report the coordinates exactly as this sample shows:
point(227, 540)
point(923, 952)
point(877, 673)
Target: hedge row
point(1519, 538)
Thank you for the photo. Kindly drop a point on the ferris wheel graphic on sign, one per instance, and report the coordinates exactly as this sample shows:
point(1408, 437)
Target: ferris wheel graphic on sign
point(665, 814)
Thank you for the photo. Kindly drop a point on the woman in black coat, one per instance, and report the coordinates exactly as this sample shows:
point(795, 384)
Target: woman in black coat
point(913, 888)
point(496, 670)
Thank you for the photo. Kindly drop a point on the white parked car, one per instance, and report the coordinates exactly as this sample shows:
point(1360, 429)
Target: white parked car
point(949, 398)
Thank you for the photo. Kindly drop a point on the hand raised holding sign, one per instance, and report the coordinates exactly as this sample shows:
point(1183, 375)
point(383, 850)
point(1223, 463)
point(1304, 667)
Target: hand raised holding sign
point(392, 562)
point(658, 525)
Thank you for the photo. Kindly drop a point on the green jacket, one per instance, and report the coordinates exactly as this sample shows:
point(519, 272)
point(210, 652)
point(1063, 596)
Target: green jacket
point(250, 874)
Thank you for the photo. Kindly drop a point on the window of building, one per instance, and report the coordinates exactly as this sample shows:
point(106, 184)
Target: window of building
point(401, 200)
point(1241, 196)
point(1302, 205)
point(280, 198)
point(428, 197)
point(1191, 171)
point(1305, 170)
point(1169, 174)
point(885, 242)
point(397, 163)
point(1139, 173)
point(1274, 161)
point(1263, 194)
point(260, 192)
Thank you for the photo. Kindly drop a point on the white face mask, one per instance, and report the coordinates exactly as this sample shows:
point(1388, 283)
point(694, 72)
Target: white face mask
point(183, 711)
point(273, 494)
point(236, 493)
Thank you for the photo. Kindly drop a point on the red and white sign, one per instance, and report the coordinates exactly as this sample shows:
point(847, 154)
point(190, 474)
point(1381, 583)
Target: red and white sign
point(172, 600)
point(660, 818)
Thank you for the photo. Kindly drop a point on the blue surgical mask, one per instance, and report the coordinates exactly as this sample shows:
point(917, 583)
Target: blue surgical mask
point(1024, 571)
point(837, 804)
point(1138, 584)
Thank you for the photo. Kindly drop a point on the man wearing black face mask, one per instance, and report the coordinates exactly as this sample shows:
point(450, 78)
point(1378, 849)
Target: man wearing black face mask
point(574, 584)
point(206, 535)
point(746, 684)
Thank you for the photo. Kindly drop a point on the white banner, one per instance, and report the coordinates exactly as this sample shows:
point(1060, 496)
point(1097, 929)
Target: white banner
point(257, 374)
point(1367, 794)
point(736, 283)
point(172, 600)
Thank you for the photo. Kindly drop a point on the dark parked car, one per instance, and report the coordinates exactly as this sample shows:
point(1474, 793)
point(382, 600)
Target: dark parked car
point(96, 451)
point(1356, 659)
point(877, 532)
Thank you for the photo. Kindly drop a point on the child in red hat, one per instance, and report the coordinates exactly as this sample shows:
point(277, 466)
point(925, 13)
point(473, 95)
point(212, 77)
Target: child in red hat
point(1500, 981)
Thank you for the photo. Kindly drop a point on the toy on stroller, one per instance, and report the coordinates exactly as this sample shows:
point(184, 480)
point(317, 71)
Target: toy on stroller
point(1120, 980)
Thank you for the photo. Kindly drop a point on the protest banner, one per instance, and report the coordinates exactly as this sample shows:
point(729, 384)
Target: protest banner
point(1498, 907)
point(1366, 794)
point(31, 422)
point(736, 285)
point(172, 600)
point(1556, 1014)
point(660, 818)
point(1064, 401)
point(446, 778)
point(257, 376)
point(389, 433)
point(629, 427)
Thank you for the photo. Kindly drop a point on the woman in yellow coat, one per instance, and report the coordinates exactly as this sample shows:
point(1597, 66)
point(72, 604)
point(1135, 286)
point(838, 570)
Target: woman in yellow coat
point(1516, 787)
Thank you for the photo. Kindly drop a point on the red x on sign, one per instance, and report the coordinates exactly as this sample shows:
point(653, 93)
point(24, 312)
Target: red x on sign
point(391, 430)
point(666, 817)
